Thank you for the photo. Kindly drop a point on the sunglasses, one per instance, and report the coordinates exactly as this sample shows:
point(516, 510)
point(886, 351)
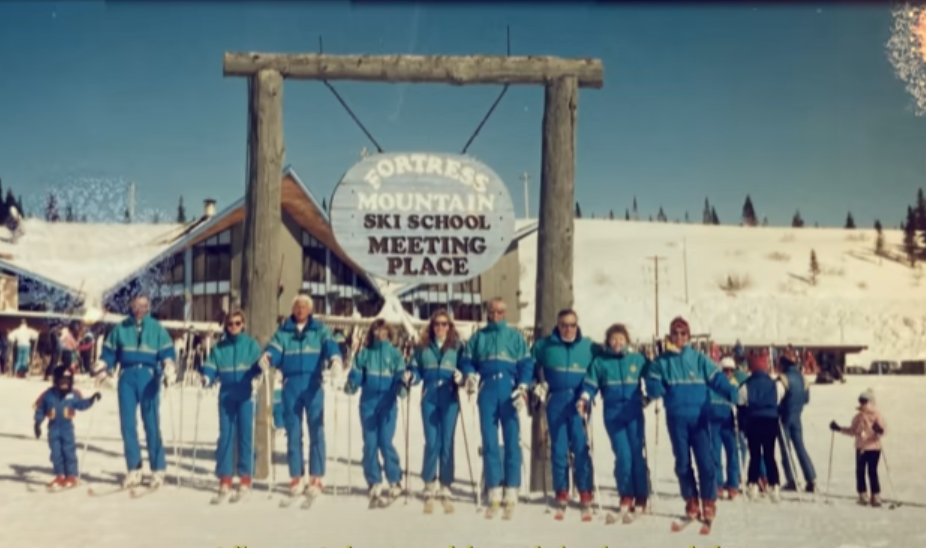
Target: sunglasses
point(441, 324)
point(569, 325)
point(680, 333)
point(234, 324)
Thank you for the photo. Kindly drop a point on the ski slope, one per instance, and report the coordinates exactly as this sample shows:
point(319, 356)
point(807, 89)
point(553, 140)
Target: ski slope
point(859, 298)
point(182, 517)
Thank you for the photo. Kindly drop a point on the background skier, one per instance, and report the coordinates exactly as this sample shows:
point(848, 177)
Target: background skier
point(59, 404)
point(797, 395)
point(23, 338)
point(723, 437)
point(146, 354)
point(759, 397)
point(684, 377)
point(303, 349)
point(565, 356)
point(616, 372)
point(867, 427)
point(379, 370)
point(435, 362)
point(497, 354)
point(233, 361)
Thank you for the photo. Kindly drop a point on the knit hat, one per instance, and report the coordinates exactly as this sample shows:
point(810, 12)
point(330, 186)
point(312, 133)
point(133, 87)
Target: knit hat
point(680, 324)
point(758, 361)
point(868, 395)
point(728, 363)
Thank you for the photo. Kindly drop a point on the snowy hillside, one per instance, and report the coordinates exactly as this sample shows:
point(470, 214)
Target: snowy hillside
point(858, 298)
point(183, 518)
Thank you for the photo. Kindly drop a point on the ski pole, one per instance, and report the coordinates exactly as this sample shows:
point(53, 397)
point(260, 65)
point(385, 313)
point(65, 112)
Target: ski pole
point(655, 471)
point(890, 479)
point(591, 451)
point(334, 486)
point(254, 398)
point(170, 412)
point(469, 462)
point(269, 382)
point(83, 457)
point(408, 414)
point(199, 399)
point(829, 468)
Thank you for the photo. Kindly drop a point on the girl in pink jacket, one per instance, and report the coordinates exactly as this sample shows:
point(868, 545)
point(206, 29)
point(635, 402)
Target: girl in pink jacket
point(867, 427)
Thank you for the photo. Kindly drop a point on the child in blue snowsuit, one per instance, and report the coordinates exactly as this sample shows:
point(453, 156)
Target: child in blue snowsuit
point(616, 372)
point(724, 443)
point(379, 369)
point(684, 378)
point(58, 404)
point(497, 364)
point(304, 350)
point(562, 360)
point(145, 351)
point(234, 362)
point(435, 362)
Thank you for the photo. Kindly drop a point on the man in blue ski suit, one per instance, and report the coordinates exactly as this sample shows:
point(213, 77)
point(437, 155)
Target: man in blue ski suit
point(684, 378)
point(303, 349)
point(797, 395)
point(616, 372)
point(145, 352)
point(435, 363)
point(58, 404)
point(723, 438)
point(497, 364)
point(562, 361)
point(378, 370)
point(234, 362)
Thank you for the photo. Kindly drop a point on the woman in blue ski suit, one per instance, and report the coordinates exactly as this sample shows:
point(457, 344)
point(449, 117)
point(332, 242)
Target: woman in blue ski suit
point(724, 443)
point(562, 361)
point(379, 369)
point(435, 363)
point(684, 378)
point(616, 372)
point(234, 361)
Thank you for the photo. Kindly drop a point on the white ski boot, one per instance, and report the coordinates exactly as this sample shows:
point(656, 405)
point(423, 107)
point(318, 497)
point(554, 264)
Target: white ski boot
point(132, 479)
point(495, 502)
point(511, 500)
point(446, 498)
point(157, 479)
point(375, 493)
point(752, 492)
point(430, 491)
point(774, 493)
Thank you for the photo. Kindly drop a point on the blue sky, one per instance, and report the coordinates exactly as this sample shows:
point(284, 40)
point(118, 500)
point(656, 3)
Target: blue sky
point(797, 106)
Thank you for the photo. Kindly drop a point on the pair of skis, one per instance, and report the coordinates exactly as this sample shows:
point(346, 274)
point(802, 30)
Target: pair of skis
point(507, 512)
point(136, 492)
point(307, 500)
point(682, 524)
point(231, 496)
point(626, 517)
point(445, 503)
point(560, 513)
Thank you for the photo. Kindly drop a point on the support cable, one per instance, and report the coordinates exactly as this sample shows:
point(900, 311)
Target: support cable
point(497, 100)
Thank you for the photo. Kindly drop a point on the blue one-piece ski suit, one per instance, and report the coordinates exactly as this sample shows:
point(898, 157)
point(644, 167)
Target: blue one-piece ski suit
point(684, 379)
point(434, 365)
point(60, 409)
point(377, 371)
point(234, 362)
point(301, 357)
point(564, 366)
point(617, 375)
point(141, 349)
point(797, 395)
point(499, 355)
point(723, 441)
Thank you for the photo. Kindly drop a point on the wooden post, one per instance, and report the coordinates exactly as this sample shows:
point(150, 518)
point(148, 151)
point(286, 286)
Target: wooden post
point(261, 250)
point(656, 293)
point(554, 238)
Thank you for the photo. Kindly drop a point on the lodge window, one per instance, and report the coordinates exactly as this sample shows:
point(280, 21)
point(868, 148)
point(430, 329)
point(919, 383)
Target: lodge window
point(370, 306)
point(209, 308)
point(425, 310)
point(341, 274)
point(169, 308)
point(467, 312)
point(473, 286)
point(318, 305)
point(212, 259)
point(342, 307)
point(313, 259)
point(408, 307)
point(171, 270)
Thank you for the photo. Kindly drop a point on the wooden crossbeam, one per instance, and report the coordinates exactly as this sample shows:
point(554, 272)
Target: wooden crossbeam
point(419, 69)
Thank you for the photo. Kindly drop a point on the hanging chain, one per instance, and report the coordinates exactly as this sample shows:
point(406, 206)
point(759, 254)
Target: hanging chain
point(346, 107)
point(497, 100)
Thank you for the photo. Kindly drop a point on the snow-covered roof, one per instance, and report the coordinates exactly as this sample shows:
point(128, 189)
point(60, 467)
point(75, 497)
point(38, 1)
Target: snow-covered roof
point(83, 258)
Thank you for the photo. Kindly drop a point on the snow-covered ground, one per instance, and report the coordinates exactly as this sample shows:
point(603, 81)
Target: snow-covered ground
point(182, 517)
point(859, 298)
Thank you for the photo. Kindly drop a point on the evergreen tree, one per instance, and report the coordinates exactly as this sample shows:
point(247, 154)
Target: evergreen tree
point(636, 214)
point(626, 214)
point(707, 216)
point(715, 220)
point(127, 216)
point(69, 214)
point(687, 220)
point(4, 211)
point(181, 212)
point(156, 218)
point(850, 222)
point(611, 214)
point(879, 239)
point(749, 213)
point(578, 211)
point(83, 218)
point(51, 208)
point(661, 216)
point(593, 215)
point(764, 221)
point(814, 267)
point(19, 206)
point(909, 236)
point(324, 205)
point(650, 217)
point(921, 216)
point(8, 204)
point(797, 221)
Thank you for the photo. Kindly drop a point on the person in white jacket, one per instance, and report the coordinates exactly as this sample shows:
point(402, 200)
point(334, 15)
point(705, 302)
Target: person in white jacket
point(23, 338)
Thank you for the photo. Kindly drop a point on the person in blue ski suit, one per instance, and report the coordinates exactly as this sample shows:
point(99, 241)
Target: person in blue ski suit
point(304, 350)
point(561, 363)
point(797, 395)
point(684, 378)
point(617, 372)
point(724, 443)
point(435, 362)
point(379, 371)
point(234, 362)
point(758, 399)
point(58, 404)
point(497, 364)
point(145, 352)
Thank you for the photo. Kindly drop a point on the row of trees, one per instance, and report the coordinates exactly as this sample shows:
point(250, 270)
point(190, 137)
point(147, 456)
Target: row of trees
point(8, 203)
point(53, 214)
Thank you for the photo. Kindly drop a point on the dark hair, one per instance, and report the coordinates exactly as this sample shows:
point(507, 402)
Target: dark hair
point(614, 329)
point(371, 335)
point(428, 334)
point(566, 312)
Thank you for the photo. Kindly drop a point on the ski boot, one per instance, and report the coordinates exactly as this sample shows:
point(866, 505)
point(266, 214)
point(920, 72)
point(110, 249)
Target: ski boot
point(430, 492)
point(511, 500)
point(561, 503)
point(495, 500)
point(863, 499)
point(56, 484)
point(375, 493)
point(708, 513)
point(789, 486)
point(157, 479)
point(245, 484)
point(70, 482)
point(296, 486)
point(446, 498)
point(774, 493)
point(585, 500)
point(692, 508)
point(640, 505)
point(315, 487)
point(875, 501)
point(132, 479)
point(811, 487)
point(752, 492)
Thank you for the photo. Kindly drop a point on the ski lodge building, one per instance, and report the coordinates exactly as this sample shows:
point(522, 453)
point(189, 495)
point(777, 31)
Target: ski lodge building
point(192, 272)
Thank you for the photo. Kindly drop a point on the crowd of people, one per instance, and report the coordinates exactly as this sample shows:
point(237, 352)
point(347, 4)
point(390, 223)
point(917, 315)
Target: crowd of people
point(714, 414)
